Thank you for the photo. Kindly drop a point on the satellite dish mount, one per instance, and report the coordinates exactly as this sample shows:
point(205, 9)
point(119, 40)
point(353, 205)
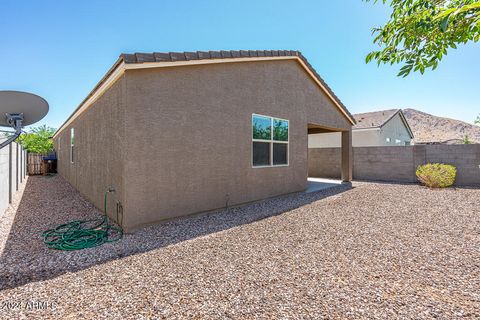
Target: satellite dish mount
point(15, 120)
point(20, 109)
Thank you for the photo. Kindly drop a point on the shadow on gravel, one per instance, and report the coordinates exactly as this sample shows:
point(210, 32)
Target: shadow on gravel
point(47, 202)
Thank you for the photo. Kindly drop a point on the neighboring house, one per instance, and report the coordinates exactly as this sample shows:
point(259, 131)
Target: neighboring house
point(379, 128)
point(181, 133)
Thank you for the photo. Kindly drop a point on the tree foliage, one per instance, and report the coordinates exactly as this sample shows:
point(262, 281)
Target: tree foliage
point(420, 32)
point(38, 139)
point(477, 121)
point(466, 140)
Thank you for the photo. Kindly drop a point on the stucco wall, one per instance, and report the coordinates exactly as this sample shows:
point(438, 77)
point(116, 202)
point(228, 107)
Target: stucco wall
point(12, 173)
point(360, 138)
point(393, 129)
point(14, 176)
point(190, 135)
point(398, 163)
point(177, 141)
point(99, 149)
point(4, 179)
point(325, 140)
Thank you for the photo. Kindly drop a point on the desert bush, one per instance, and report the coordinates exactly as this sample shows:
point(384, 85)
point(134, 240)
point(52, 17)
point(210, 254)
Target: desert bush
point(436, 175)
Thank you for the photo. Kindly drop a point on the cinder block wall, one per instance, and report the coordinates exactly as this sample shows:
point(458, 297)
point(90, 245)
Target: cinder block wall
point(397, 164)
point(465, 157)
point(325, 162)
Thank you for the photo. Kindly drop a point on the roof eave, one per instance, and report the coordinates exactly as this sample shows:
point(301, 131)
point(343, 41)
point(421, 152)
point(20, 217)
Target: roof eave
point(140, 61)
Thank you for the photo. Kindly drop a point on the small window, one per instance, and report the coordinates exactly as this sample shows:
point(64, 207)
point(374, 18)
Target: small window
point(72, 144)
point(59, 143)
point(388, 139)
point(270, 141)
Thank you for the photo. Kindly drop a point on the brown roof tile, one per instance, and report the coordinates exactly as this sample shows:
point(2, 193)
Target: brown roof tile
point(203, 55)
point(226, 54)
point(191, 55)
point(161, 56)
point(177, 56)
point(145, 57)
point(244, 53)
point(215, 55)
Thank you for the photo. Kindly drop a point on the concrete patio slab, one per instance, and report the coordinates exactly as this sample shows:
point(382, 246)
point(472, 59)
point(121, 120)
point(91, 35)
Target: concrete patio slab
point(319, 184)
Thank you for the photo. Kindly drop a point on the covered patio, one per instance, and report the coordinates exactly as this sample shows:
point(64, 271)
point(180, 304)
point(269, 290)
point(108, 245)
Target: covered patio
point(346, 148)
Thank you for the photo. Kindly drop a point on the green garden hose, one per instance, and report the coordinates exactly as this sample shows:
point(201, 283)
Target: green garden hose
point(81, 234)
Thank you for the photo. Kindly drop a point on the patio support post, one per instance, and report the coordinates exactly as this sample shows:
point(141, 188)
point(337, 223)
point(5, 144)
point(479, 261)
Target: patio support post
point(347, 156)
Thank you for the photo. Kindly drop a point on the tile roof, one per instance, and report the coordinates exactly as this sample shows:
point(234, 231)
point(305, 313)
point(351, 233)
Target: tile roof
point(137, 58)
point(374, 119)
point(226, 54)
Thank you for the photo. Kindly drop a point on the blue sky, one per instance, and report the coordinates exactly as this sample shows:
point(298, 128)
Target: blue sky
point(61, 49)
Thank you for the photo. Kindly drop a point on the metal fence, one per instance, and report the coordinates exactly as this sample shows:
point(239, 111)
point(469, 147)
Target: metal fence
point(13, 171)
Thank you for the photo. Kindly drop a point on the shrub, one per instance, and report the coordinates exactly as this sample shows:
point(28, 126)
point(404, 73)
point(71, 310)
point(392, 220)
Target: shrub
point(436, 175)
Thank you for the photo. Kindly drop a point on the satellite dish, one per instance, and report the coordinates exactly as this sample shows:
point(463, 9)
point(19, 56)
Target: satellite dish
point(33, 107)
point(18, 109)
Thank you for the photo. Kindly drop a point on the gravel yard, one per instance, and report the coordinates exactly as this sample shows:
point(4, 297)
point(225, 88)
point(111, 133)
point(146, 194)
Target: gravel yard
point(375, 251)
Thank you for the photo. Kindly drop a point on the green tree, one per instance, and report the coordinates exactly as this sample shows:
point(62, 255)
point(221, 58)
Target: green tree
point(466, 140)
point(478, 119)
point(38, 139)
point(420, 32)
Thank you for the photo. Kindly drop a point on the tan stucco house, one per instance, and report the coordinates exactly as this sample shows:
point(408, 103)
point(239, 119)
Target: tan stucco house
point(181, 133)
point(373, 129)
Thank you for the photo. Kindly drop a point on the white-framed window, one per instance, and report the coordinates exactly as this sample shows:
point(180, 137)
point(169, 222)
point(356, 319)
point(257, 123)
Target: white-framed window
point(270, 141)
point(72, 145)
point(58, 147)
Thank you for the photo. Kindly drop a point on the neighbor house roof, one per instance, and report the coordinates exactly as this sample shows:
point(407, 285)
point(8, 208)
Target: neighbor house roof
point(377, 119)
point(170, 59)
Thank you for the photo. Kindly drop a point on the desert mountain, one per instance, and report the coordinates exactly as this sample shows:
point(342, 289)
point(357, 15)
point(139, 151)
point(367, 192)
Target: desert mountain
point(430, 128)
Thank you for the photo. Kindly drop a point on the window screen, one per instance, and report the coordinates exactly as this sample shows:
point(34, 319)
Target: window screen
point(261, 154)
point(280, 153)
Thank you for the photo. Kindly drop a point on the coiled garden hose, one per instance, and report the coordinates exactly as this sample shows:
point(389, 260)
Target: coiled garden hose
point(81, 234)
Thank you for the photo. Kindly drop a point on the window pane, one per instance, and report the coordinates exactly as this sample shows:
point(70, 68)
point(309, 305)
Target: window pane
point(280, 130)
point(262, 127)
point(261, 154)
point(280, 153)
